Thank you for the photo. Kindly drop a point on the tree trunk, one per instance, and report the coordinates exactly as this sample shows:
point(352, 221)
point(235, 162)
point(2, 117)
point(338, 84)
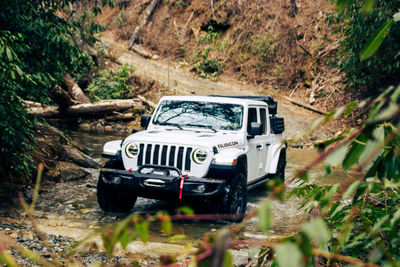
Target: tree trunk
point(61, 97)
point(74, 89)
point(294, 8)
point(147, 16)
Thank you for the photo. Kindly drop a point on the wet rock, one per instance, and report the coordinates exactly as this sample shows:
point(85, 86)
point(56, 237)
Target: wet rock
point(67, 171)
point(79, 157)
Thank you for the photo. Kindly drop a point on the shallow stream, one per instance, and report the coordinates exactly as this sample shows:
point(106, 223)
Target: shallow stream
point(70, 209)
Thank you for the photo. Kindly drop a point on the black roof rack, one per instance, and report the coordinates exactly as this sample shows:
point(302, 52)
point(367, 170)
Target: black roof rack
point(272, 104)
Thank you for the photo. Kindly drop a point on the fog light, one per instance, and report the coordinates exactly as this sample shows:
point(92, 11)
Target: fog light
point(117, 180)
point(201, 188)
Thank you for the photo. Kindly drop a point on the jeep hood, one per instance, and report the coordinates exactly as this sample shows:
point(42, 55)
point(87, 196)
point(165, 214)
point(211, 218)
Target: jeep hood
point(221, 140)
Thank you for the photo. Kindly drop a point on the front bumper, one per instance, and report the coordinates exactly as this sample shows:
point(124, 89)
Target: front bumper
point(161, 182)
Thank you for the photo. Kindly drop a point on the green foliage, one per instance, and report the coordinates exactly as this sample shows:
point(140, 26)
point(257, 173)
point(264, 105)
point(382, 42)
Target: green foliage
point(36, 47)
point(364, 34)
point(363, 222)
point(112, 84)
point(265, 47)
point(210, 37)
point(87, 26)
point(181, 4)
point(120, 19)
point(207, 68)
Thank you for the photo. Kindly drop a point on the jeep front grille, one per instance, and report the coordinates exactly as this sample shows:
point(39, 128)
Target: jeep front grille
point(165, 155)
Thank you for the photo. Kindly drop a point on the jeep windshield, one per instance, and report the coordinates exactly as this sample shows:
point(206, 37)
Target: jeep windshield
point(210, 115)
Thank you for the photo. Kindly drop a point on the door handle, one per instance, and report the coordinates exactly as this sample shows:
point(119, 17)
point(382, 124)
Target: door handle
point(267, 144)
point(258, 146)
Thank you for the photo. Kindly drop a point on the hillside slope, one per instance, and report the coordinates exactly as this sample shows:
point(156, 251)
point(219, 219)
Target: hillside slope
point(249, 43)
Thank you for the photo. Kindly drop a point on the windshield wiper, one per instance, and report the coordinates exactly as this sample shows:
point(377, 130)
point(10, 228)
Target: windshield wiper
point(201, 126)
point(171, 124)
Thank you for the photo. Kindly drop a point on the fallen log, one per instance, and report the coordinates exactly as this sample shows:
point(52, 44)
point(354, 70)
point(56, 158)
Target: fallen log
point(306, 106)
point(148, 102)
point(98, 109)
point(141, 51)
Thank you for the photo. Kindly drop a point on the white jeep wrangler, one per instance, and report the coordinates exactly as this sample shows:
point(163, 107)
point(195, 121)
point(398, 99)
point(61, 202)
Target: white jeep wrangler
point(196, 147)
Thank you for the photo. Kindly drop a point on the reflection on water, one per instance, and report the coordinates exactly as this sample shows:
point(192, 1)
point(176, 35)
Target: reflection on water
point(71, 208)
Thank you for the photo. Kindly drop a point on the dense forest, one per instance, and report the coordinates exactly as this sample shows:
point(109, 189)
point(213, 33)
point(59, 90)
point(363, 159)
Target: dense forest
point(343, 58)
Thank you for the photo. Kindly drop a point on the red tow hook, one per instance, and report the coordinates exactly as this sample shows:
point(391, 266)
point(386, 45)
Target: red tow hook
point(181, 185)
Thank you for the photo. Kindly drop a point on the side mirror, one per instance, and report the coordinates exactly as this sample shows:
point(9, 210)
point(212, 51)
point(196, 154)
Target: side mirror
point(255, 129)
point(144, 121)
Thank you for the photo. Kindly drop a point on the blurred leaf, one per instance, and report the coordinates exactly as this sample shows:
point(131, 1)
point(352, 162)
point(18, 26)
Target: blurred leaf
point(342, 3)
point(337, 156)
point(186, 210)
point(143, 231)
point(386, 114)
point(378, 225)
point(396, 216)
point(264, 215)
point(228, 260)
point(177, 238)
point(375, 42)
point(317, 230)
point(373, 145)
point(288, 255)
point(396, 17)
point(368, 6)
point(338, 112)
point(350, 190)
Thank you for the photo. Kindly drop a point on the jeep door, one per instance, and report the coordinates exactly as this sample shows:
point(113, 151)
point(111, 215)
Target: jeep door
point(257, 145)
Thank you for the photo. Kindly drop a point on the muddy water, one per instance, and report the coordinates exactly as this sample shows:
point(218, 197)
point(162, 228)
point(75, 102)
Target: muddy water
point(71, 209)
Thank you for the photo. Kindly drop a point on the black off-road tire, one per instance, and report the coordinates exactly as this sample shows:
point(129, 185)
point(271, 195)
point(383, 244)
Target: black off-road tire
point(234, 198)
point(112, 199)
point(280, 169)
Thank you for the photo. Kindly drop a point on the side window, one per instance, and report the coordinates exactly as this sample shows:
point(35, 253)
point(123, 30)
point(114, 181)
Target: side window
point(252, 117)
point(263, 117)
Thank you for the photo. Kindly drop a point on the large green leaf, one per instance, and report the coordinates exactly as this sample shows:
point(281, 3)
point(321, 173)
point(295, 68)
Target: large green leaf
point(264, 215)
point(357, 147)
point(317, 230)
point(375, 42)
point(288, 255)
point(336, 157)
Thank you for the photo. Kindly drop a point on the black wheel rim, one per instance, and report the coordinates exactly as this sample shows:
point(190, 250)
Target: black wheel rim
point(237, 201)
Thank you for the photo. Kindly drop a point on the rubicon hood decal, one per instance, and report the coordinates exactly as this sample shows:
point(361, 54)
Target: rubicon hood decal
point(225, 145)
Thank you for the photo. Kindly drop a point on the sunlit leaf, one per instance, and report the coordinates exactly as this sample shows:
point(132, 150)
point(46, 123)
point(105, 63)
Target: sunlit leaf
point(375, 42)
point(264, 215)
point(288, 255)
point(317, 230)
point(396, 17)
point(338, 112)
point(386, 114)
point(356, 149)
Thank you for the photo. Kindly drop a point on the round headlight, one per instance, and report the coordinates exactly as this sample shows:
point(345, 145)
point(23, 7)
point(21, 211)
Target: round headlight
point(132, 150)
point(200, 155)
